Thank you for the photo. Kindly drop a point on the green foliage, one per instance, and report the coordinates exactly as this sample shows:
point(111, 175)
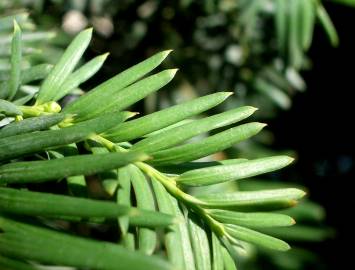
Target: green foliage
point(91, 142)
point(346, 2)
point(22, 144)
point(228, 47)
point(67, 207)
point(252, 219)
point(224, 173)
point(205, 147)
point(9, 109)
point(16, 56)
point(22, 61)
point(30, 124)
point(253, 200)
point(52, 84)
point(115, 92)
point(309, 228)
point(48, 246)
point(46, 170)
point(164, 118)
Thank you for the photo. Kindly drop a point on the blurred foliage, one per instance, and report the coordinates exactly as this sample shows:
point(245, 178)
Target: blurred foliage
point(40, 49)
point(310, 229)
point(255, 48)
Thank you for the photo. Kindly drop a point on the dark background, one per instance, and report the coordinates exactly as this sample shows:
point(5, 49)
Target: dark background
point(320, 127)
